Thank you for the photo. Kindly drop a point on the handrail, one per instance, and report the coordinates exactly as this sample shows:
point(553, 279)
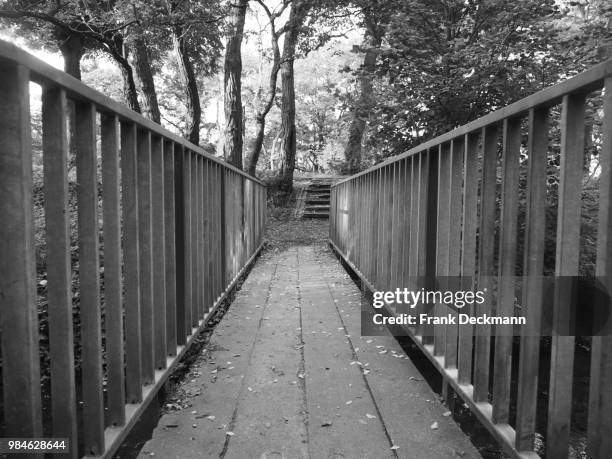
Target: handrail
point(442, 210)
point(178, 226)
point(44, 74)
point(584, 82)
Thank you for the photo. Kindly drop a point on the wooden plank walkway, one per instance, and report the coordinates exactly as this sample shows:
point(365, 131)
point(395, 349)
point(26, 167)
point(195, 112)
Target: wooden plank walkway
point(280, 378)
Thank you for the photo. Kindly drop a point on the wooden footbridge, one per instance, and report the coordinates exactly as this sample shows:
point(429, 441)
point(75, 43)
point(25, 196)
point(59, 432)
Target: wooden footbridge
point(107, 276)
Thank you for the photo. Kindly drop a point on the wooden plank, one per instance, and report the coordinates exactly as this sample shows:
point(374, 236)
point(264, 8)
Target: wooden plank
point(535, 230)
point(158, 191)
point(442, 238)
point(568, 253)
point(468, 251)
point(21, 373)
point(507, 271)
point(113, 285)
point(89, 278)
point(145, 239)
point(59, 274)
point(600, 398)
point(170, 247)
point(454, 244)
point(486, 265)
point(131, 260)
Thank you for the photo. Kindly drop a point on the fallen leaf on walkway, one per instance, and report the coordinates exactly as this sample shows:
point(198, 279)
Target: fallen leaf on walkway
point(349, 402)
point(356, 349)
point(300, 375)
point(365, 372)
point(356, 362)
point(326, 424)
point(383, 352)
point(434, 426)
point(370, 416)
point(171, 426)
point(446, 414)
point(369, 341)
point(394, 447)
point(412, 378)
point(210, 418)
point(229, 434)
point(380, 347)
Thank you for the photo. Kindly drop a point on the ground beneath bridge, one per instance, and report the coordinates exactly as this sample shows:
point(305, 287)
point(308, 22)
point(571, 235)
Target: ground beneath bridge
point(287, 375)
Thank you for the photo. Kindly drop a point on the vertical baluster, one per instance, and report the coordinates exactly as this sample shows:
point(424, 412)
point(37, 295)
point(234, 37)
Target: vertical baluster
point(379, 228)
point(600, 397)
point(568, 251)
point(454, 243)
point(145, 239)
point(21, 372)
point(59, 289)
point(201, 237)
point(468, 250)
point(507, 262)
point(397, 230)
point(170, 247)
point(485, 261)
point(223, 246)
point(427, 230)
point(182, 186)
point(89, 278)
point(442, 247)
point(407, 197)
point(159, 250)
point(131, 259)
point(208, 270)
point(113, 295)
point(533, 263)
point(195, 243)
point(412, 256)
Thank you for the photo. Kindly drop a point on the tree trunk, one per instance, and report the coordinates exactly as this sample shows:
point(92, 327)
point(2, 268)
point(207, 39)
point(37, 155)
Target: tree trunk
point(260, 127)
point(72, 49)
point(260, 118)
point(232, 145)
point(361, 110)
point(144, 74)
point(188, 78)
point(130, 94)
point(298, 13)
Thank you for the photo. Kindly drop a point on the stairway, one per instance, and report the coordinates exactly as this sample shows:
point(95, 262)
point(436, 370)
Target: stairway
point(317, 199)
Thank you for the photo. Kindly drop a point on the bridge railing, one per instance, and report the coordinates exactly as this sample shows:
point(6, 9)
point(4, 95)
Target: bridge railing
point(160, 234)
point(450, 207)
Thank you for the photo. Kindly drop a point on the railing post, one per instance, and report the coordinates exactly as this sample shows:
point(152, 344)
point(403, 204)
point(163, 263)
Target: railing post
point(18, 314)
